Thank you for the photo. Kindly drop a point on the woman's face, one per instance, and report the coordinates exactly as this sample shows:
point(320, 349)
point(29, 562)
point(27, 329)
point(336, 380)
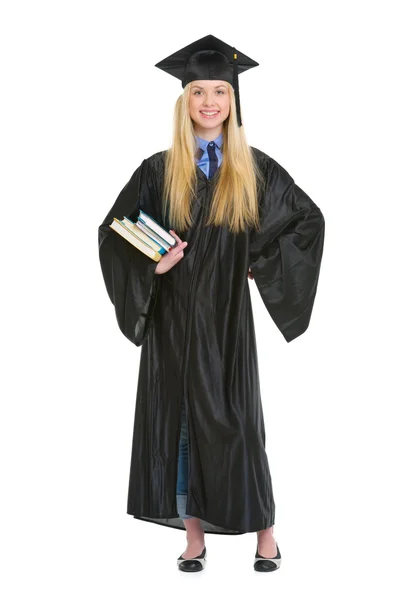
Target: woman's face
point(209, 96)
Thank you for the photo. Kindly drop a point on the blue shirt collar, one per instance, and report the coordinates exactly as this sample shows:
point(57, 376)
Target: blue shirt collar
point(204, 143)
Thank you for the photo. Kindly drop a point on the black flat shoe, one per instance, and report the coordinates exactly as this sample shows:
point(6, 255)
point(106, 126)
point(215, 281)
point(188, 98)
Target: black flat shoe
point(267, 564)
point(191, 565)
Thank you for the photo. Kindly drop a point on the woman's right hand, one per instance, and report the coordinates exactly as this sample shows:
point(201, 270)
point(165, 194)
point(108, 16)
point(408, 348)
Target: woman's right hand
point(169, 259)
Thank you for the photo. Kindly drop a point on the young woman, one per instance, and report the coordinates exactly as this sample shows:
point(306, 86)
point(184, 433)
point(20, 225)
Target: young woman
point(198, 455)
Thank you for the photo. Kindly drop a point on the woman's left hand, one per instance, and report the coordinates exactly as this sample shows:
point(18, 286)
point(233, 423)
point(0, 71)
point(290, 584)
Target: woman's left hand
point(250, 274)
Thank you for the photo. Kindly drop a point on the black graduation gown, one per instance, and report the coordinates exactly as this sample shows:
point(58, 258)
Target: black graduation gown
point(196, 331)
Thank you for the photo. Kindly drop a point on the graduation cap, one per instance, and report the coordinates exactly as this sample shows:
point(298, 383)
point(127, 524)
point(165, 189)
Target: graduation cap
point(208, 58)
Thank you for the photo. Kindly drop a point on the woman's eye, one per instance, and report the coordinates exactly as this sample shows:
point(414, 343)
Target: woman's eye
point(220, 91)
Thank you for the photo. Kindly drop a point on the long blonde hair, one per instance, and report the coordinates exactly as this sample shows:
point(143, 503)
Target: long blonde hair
point(235, 199)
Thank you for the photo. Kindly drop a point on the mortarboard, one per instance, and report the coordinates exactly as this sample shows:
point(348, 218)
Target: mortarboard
point(208, 58)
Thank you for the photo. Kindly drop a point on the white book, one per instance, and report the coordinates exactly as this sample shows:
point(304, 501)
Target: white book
point(139, 225)
point(154, 226)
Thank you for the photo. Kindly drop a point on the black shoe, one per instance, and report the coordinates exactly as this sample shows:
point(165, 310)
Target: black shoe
point(267, 564)
point(192, 565)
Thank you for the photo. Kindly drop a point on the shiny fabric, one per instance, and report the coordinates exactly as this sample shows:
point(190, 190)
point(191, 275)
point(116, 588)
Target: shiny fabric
point(195, 327)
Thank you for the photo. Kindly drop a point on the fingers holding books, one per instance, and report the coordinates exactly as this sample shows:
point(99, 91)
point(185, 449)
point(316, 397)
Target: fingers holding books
point(172, 257)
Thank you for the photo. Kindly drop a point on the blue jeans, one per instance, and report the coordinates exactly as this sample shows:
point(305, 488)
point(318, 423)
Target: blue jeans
point(182, 480)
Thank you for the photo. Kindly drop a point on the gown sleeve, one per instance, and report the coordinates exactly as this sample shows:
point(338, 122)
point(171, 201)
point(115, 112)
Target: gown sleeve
point(286, 254)
point(129, 275)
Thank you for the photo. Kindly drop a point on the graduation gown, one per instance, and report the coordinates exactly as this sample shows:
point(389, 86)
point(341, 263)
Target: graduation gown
point(196, 331)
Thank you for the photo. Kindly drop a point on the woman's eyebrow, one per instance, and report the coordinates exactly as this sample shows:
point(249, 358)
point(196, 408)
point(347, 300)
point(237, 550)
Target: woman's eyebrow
point(201, 88)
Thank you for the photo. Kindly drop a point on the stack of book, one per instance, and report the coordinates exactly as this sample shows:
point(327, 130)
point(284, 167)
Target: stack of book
point(145, 234)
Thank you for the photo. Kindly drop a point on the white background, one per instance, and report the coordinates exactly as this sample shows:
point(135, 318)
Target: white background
point(82, 104)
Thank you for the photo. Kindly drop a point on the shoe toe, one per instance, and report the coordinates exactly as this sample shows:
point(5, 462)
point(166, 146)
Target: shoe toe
point(267, 564)
point(190, 566)
point(195, 564)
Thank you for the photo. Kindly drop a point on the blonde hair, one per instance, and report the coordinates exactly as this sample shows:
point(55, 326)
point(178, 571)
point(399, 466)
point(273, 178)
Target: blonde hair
point(235, 199)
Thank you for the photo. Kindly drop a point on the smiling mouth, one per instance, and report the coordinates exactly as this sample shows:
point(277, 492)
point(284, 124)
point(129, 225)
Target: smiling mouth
point(209, 114)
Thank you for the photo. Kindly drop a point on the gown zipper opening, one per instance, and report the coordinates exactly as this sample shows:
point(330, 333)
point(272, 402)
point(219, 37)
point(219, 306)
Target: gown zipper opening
point(184, 385)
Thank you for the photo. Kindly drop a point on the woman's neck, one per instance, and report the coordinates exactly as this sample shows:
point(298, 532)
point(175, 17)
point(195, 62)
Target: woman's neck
point(208, 134)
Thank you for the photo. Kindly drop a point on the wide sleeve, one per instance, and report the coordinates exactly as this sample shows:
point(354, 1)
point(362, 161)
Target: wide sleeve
point(129, 275)
point(286, 254)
